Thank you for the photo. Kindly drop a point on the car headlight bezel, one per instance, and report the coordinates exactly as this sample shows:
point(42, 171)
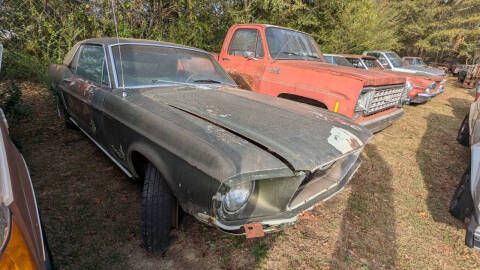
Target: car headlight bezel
point(363, 100)
point(237, 197)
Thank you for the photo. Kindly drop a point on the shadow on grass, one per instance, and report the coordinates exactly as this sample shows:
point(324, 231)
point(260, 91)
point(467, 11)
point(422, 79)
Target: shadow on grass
point(442, 160)
point(367, 236)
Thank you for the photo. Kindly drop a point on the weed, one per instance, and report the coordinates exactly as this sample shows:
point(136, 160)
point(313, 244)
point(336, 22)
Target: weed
point(259, 250)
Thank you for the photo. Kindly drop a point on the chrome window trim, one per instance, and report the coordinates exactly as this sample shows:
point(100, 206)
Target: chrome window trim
point(104, 57)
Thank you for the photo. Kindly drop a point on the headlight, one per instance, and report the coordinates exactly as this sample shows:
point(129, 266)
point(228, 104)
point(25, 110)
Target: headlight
point(238, 196)
point(408, 86)
point(363, 100)
point(430, 87)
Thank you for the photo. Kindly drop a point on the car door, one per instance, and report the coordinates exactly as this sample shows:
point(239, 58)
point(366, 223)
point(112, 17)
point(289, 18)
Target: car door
point(245, 58)
point(84, 92)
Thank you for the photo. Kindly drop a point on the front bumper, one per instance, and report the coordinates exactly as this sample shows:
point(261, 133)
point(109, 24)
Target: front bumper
point(379, 123)
point(282, 219)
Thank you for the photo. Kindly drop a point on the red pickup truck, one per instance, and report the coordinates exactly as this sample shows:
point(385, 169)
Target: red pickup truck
point(286, 63)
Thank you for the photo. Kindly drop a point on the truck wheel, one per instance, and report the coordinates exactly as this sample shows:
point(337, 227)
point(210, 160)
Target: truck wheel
point(157, 211)
point(461, 205)
point(463, 136)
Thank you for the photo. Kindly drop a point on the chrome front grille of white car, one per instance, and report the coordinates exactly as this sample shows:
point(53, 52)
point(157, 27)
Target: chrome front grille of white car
point(384, 97)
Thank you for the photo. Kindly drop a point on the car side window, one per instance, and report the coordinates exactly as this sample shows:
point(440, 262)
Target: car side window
point(89, 63)
point(246, 40)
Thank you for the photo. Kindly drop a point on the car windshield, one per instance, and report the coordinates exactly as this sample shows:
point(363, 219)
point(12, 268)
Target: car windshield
point(147, 65)
point(395, 59)
point(340, 60)
point(371, 63)
point(288, 44)
point(420, 62)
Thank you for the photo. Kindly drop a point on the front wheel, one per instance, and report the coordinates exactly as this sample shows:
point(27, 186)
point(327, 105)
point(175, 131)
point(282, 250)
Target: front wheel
point(463, 136)
point(157, 211)
point(461, 205)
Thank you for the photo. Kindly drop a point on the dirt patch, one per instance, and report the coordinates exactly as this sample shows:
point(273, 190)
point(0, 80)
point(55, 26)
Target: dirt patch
point(393, 214)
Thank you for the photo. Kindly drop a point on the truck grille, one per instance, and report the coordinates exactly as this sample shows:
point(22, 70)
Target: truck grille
point(384, 97)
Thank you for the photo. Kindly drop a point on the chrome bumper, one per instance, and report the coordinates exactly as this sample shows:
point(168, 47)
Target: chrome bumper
point(420, 98)
point(381, 122)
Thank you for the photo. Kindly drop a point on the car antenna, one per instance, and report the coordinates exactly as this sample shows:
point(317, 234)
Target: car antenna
point(124, 93)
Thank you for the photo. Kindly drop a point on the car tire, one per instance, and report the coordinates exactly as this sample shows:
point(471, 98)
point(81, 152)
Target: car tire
point(461, 205)
point(157, 211)
point(463, 136)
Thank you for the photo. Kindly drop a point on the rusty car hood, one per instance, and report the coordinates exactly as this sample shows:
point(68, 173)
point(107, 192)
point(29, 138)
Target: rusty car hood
point(301, 136)
point(369, 77)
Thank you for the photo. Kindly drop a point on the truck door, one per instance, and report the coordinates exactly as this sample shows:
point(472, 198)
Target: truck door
point(244, 59)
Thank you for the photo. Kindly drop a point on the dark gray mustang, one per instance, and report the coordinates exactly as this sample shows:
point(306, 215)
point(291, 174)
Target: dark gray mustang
point(170, 115)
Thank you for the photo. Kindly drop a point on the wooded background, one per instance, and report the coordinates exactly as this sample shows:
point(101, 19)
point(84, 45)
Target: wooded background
point(38, 32)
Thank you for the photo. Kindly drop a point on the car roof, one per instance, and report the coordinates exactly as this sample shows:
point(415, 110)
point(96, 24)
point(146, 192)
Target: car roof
point(112, 41)
point(329, 54)
point(264, 25)
point(359, 56)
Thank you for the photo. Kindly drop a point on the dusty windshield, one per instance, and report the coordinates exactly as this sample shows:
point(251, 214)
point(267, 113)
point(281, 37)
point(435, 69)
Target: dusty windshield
point(371, 63)
point(146, 65)
point(420, 62)
point(340, 60)
point(288, 44)
point(395, 59)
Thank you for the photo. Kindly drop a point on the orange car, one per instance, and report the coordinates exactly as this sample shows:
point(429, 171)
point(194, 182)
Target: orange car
point(22, 242)
point(420, 89)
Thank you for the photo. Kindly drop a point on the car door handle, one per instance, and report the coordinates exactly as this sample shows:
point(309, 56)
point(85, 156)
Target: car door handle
point(226, 59)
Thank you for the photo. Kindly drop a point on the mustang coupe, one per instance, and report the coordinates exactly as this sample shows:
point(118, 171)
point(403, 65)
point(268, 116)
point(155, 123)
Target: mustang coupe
point(170, 115)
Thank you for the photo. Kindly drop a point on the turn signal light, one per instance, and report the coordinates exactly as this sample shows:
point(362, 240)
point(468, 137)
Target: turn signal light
point(16, 255)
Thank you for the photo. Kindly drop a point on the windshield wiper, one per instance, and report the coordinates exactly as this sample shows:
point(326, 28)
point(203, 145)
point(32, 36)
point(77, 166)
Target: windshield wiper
point(290, 53)
point(206, 81)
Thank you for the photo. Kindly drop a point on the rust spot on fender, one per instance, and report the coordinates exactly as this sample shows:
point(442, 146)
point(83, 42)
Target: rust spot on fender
point(243, 80)
point(253, 230)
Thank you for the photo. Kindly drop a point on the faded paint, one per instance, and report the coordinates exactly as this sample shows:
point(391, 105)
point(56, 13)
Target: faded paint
point(263, 75)
point(343, 140)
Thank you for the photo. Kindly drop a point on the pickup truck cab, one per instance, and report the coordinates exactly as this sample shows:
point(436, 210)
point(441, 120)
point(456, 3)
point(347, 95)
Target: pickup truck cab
point(286, 63)
point(420, 89)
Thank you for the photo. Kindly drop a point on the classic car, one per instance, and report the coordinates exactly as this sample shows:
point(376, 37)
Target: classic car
point(244, 162)
point(287, 63)
point(22, 241)
point(419, 88)
point(413, 61)
point(391, 60)
point(466, 200)
point(337, 60)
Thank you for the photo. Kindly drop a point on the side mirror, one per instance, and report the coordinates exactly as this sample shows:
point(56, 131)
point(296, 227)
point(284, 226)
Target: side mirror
point(1, 54)
point(248, 55)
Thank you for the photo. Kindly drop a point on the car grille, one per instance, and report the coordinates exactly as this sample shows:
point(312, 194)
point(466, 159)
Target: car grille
point(384, 98)
point(325, 180)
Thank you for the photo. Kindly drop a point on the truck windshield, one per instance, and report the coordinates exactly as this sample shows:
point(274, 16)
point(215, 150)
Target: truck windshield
point(148, 65)
point(395, 59)
point(288, 44)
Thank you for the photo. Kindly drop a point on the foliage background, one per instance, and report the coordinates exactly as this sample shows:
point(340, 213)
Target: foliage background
point(38, 32)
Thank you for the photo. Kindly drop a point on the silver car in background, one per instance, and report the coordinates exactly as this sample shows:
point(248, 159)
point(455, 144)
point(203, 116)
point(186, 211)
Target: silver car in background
point(391, 60)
